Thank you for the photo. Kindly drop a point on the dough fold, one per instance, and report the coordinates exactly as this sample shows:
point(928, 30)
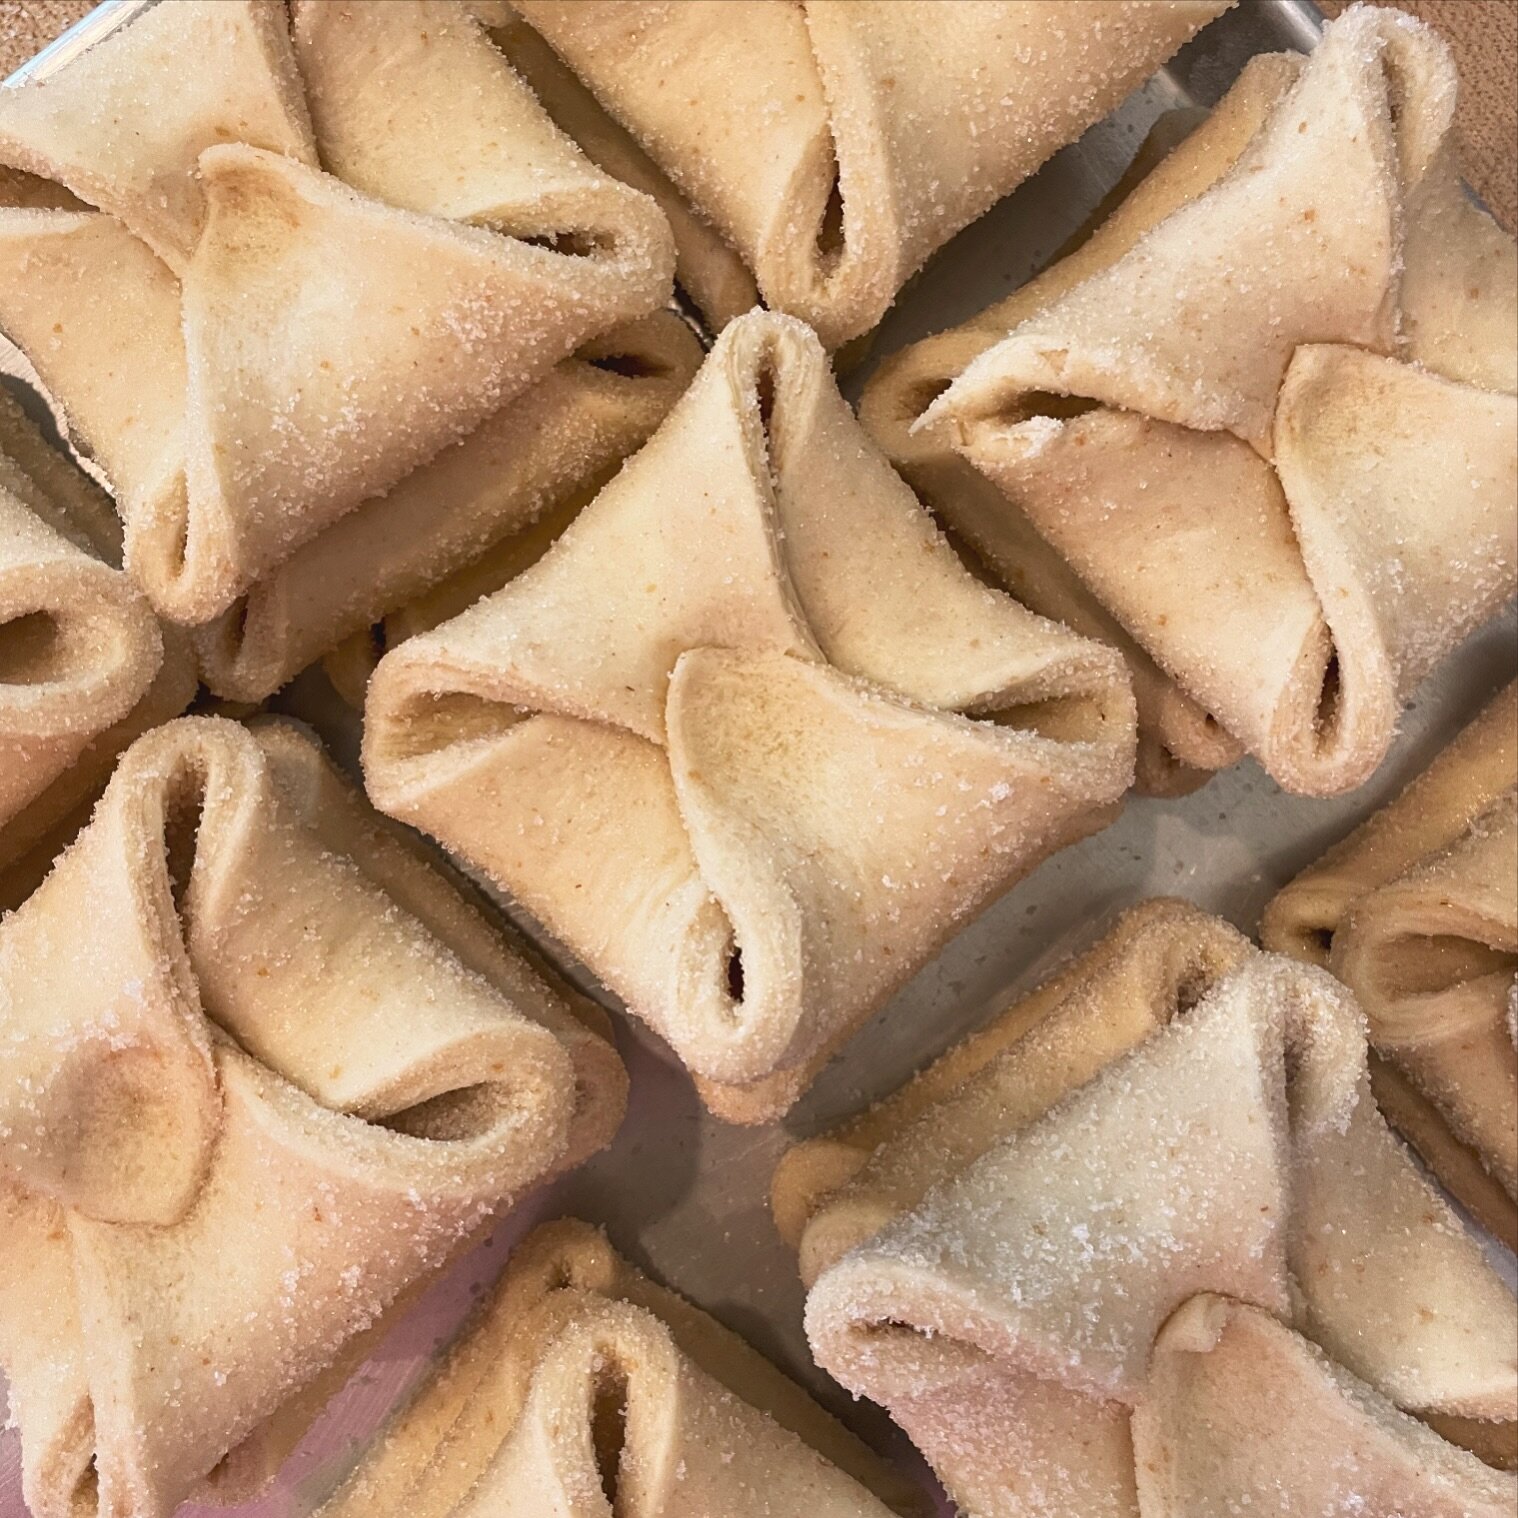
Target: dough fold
point(1227, 413)
point(1417, 911)
point(84, 666)
point(327, 314)
point(749, 740)
point(994, 1253)
point(264, 1070)
point(889, 125)
point(579, 1384)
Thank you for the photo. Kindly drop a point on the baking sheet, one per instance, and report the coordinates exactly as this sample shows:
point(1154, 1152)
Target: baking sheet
point(685, 1196)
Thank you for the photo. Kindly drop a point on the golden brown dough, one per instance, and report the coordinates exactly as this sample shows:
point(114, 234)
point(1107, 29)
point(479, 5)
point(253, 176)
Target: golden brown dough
point(515, 1420)
point(994, 1250)
point(320, 337)
point(888, 125)
point(264, 1070)
point(1228, 414)
point(84, 666)
point(1417, 911)
point(749, 739)
point(478, 508)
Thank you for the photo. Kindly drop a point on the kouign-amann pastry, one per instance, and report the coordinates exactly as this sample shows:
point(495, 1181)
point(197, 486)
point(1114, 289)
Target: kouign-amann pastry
point(84, 666)
point(264, 1069)
point(1014, 1252)
point(1265, 417)
point(276, 314)
point(580, 1388)
point(884, 126)
point(1417, 912)
point(749, 739)
point(459, 526)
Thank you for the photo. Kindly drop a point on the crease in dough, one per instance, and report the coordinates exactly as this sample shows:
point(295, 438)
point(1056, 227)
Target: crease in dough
point(580, 1387)
point(749, 739)
point(1296, 316)
point(889, 124)
point(994, 1252)
point(1417, 912)
point(264, 1071)
point(257, 345)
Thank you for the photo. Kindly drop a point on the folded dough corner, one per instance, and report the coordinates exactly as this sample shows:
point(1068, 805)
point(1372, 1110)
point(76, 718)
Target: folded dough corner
point(1417, 912)
point(305, 273)
point(264, 1071)
point(1144, 1247)
point(84, 666)
point(749, 739)
point(1261, 424)
point(889, 125)
point(581, 1387)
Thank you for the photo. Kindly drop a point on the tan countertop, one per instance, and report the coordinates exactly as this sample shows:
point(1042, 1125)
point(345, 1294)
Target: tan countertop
point(1483, 33)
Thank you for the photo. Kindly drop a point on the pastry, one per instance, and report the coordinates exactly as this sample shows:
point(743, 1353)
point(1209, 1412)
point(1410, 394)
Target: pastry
point(888, 125)
point(459, 525)
point(1417, 912)
point(312, 267)
point(1006, 1252)
point(84, 666)
point(749, 740)
point(579, 1387)
point(1264, 419)
point(264, 1071)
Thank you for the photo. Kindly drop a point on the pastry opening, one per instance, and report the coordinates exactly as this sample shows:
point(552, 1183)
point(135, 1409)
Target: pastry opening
point(630, 365)
point(735, 974)
point(1429, 964)
point(184, 807)
point(1325, 720)
point(33, 649)
point(437, 720)
point(918, 397)
point(1059, 408)
point(608, 1426)
point(574, 242)
point(829, 241)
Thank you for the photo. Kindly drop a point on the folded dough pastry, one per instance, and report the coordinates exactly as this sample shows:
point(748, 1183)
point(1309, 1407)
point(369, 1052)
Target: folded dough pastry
point(84, 667)
point(749, 739)
point(479, 508)
point(1264, 419)
point(993, 1252)
point(263, 1070)
point(888, 125)
point(273, 317)
point(580, 1388)
point(1417, 912)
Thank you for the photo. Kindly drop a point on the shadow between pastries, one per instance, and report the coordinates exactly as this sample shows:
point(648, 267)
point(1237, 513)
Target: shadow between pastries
point(580, 1389)
point(264, 1072)
point(1417, 912)
point(888, 125)
point(1263, 419)
point(1017, 1252)
point(749, 739)
point(309, 270)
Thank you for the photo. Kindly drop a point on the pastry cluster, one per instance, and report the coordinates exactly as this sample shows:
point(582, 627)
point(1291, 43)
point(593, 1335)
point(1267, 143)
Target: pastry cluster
point(477, 362)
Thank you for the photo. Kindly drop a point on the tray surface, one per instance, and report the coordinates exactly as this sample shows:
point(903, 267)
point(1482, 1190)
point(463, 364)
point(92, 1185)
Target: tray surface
point(684, 1195)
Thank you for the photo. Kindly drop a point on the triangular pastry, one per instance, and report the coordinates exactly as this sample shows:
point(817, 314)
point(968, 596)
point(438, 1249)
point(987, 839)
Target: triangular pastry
point(1417, 912)
point(995, 1251)
point(320, 339)
point(1298, 317)
point(476, 509)
point(749, 740)
point(84, 666)
point(888, 124)
point(580, 1388)
point(265, 1069)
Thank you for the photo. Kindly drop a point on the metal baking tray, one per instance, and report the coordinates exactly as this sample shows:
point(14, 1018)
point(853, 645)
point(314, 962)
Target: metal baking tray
point(686, 1196)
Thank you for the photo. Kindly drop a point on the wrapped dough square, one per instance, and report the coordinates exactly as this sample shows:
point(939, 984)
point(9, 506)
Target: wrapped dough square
point(887, 125)
point(1261, 427)
point(265, 1070)
point(320, 262)
point(1417, 912)
point(1011, 1251)
point(749, 739)
point(581, 1389)
point(84, 666)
